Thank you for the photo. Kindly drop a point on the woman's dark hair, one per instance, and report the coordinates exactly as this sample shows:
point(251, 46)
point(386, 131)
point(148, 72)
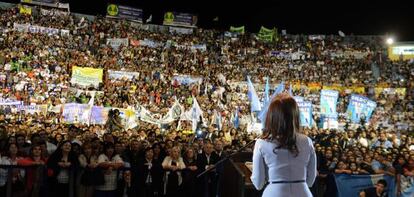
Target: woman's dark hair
point(7, 149)
point(57, 155)
point(282, 122)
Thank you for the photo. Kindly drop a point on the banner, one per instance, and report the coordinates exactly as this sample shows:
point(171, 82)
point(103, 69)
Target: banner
point(329, 121)
point(150, 43)
point(351, 185)
point(39, 1)
point(239, 30)
point(10, 102)
point(328, 101)
point(46, 12)
point(194, 47)
point(180, 30)
point(76, 113)
point(86, 76)
point(369, 109)
point(99, 115)
point(403, 51)
point(38, 29)
point(359, 107)
point(113, 74)
point(267, 35)
point(128, 117)
point(32, 109)
point(124, 12)
point(356, 108)
point(187, 79)
point(173, 114)
point(180, 19)
point(115, 43)
point(25, 10)
point(305, 113)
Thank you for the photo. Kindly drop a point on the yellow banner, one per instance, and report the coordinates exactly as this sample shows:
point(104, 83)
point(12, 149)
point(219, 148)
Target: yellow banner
point(399, 91)
point(314, 86)
point(334, 87)
point(357, 89)
point(86, 76)
point(25, 10)
point(401, 51)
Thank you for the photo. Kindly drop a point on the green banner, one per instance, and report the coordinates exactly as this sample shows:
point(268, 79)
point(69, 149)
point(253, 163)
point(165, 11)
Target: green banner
point(267, 35)
point(264, 30)
point(237, 29)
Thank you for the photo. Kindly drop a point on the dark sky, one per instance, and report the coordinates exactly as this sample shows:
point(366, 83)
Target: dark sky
point(364, 17)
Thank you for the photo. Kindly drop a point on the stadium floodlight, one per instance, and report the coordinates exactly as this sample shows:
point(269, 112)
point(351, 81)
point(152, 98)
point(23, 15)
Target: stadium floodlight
point(390, 41)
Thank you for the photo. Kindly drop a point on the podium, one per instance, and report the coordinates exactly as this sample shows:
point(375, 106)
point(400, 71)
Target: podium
point(235, 180)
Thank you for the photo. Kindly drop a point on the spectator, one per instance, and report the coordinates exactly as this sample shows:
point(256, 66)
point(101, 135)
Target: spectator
point(110, 163)
point(173, 166)
point(377, 191)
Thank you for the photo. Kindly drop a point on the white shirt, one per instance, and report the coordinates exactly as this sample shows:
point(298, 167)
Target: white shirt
point(111, 178)
point(270, 164)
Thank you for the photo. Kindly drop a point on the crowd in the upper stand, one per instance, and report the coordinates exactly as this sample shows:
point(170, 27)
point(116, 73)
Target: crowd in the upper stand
point(150, 160)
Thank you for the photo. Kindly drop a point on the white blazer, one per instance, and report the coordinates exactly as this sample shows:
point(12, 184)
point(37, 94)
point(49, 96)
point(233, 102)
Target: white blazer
point(281, 165)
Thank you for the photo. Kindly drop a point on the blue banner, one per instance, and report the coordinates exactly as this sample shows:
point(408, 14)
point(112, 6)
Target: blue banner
point(352, 185)
point(369, 109)
point(99, 115)
point(329, 121)
point(329, 99)
point(76, 113)
point(356, 108)
point(360, 107)
point(305, 113)
point(187, 79)
point(124, 12)
point(180, 19)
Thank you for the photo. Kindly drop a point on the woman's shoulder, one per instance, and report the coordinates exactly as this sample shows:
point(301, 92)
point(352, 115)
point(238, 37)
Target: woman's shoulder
point(303, 137)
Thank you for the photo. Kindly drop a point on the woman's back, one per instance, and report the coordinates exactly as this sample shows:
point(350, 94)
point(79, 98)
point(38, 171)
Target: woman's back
point(288, 174)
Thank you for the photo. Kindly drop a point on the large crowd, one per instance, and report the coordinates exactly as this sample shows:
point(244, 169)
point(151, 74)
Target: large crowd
point(152, 160)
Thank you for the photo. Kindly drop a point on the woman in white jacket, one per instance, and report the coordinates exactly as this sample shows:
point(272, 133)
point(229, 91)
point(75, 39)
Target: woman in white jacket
point(283, 159)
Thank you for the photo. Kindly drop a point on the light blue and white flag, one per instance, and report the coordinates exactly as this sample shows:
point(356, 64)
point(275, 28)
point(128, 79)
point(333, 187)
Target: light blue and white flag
point(196, 113)
point(279, 89)
point(253, 98)
point(266, 93)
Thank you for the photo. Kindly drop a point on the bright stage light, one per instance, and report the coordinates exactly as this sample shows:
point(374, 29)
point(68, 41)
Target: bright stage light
point(390, 41)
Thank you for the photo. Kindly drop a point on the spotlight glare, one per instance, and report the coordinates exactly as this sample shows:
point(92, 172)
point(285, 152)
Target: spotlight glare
point(390, 41)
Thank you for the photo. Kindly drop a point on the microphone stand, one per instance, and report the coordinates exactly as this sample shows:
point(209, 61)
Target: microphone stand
point(225, 159)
